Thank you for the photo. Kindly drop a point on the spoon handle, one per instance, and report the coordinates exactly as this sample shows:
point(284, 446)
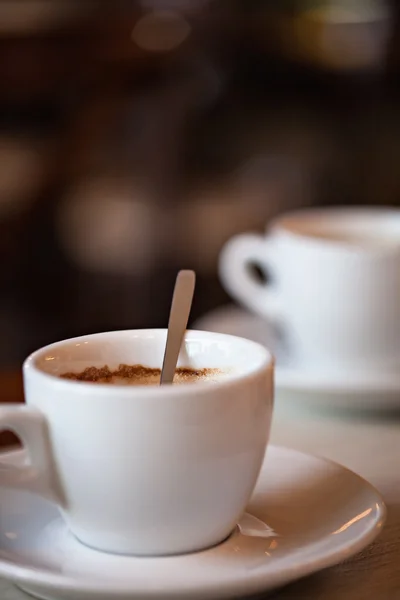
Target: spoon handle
point(177, 324)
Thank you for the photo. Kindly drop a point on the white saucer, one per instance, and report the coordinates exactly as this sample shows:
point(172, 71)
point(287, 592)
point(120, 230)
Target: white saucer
point(345, 390)
point(306, 514)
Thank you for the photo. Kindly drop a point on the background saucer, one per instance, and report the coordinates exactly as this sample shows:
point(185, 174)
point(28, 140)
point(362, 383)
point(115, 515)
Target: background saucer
point(350, 390)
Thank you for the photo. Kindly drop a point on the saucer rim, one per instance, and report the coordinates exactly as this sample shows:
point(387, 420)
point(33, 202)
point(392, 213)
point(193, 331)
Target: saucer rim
point(30, 577)
point(293, 378)
point(336, 382)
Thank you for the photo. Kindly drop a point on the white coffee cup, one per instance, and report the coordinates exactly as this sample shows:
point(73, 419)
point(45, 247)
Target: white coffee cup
point(334, 287)
point(146, 470)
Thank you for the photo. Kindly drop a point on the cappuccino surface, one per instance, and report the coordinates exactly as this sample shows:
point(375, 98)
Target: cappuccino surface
point(140, 375)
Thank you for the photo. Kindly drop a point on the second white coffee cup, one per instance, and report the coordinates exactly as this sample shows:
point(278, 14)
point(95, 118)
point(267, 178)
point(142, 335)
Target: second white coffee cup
point(334, 284)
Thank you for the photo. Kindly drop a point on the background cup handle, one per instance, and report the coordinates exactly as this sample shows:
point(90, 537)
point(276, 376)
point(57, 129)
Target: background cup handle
point(37, 475)
point(236, 257)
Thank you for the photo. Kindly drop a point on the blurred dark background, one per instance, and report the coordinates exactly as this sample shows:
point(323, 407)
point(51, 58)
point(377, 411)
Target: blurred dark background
point(137, 137)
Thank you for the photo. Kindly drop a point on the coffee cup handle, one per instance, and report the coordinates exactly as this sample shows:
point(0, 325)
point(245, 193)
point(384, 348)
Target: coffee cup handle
point(236, 257)
point(36, 476)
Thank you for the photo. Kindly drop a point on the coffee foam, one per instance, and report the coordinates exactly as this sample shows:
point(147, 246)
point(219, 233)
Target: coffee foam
point(141, 375)
point(355, 229)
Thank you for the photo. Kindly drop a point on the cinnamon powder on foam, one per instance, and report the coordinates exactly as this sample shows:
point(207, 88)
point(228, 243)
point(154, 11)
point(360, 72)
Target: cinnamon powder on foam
point(139, 375)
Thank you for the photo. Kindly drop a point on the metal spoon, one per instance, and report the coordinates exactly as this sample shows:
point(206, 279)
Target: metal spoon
point(177, 324)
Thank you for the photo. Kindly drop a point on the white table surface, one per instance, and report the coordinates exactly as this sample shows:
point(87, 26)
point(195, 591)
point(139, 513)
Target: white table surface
point(369, 445)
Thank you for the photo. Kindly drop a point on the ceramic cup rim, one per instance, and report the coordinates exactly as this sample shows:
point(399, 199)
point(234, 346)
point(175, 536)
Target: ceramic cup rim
point(281, 226)
point(264, 362)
